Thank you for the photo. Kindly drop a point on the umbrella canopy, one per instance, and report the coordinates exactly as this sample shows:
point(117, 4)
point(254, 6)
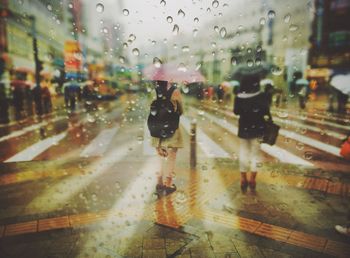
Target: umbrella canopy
point(170, 72)
point(302, 82)
point(243, 70)
point(234, 83)
point(342, 83)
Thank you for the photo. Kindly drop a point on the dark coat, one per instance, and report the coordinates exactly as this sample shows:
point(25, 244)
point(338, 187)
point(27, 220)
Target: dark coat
point(253, 111)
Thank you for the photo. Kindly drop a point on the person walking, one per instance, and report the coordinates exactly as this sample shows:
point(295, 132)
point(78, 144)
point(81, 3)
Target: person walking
point(253, 109)
point(167, 147)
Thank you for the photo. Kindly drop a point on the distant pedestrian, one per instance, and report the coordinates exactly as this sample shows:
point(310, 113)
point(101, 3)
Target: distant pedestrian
point(166, 147)
point(46, 98)
point(253, 109)
point(28, 96)
point(18, 97)
point(38, 100)
point(220, 93)
point(4, 106)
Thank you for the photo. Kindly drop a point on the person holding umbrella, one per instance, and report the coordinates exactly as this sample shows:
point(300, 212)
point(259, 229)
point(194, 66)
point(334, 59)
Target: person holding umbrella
point(340, 84)
point(253, 109)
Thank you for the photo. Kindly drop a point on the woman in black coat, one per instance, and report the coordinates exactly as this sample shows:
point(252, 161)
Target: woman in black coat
point(253, 109)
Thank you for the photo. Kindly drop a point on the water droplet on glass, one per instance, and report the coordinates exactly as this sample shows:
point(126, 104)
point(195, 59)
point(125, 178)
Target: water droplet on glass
point(100, 8)
point(185, 49)
point(169, 19)
point(271, 14)
point(276, 70)
point(293, 27)
point(175, 29)
point(198, 65)
point(196, 20)
point(157, 62)
point(125, 45)
point(195, 32)
point(213, 44)
point(215, 4)
point(154, 42)
point(69, 5)
point(105, 30)
point(135, 52)
point(181, 197)
point(126, 12)
point(132, 37)
point(258, 61)
point(182, 67)
point(287, 18)
point(250, 63)
point(49, 7)
point(208, 10)
point(162, 3)
point(225, 5)
point(216, 28)
point(282, 114)
point(262, 21)
point(308, 155)
point(258, 49)
point(299, 146)
point(249, 50)
point(122, 59)
point(185, 89)
point(223, 32)
point(234, 61)
point(240, 27)
point(181, 13)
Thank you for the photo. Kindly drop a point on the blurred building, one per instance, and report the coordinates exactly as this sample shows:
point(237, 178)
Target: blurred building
point(272, 31)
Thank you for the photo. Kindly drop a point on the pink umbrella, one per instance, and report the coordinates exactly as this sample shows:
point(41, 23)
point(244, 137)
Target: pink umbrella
point(170, 72)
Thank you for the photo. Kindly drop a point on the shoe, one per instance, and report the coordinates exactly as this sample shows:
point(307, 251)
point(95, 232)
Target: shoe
point(170, 189)
point(343, 230)
point(244, 186)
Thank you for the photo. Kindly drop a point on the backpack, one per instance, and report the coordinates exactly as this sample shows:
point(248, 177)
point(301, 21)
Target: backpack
point(163, 120)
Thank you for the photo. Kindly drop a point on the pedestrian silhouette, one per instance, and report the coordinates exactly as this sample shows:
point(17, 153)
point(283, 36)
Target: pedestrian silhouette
point(253, 109)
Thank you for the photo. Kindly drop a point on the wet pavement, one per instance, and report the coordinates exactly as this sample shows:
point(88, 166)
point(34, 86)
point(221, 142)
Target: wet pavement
point(82, 185)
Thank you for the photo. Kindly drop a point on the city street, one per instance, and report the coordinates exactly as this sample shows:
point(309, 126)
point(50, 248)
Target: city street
point(82, 184)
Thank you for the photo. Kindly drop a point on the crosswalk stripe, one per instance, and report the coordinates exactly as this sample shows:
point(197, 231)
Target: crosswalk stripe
point(34, 150)
point(99, 145)
point(209, 147)
point(69, 187)
point(274, 151)
point(306, 140)
point(336, 135)
point(29, 129)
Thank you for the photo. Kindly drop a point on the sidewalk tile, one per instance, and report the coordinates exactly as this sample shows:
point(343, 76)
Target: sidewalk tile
point(153, 243)
point(306, 240)
point(21, 228)
point(160, 253)
point(53, 223)
point(337, 249)
point(273, 232)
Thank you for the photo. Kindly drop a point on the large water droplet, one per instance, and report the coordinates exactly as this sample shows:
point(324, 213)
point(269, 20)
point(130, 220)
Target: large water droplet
point(287, 18)
point(262, 21)
point(169, 19)
point(208, 10)
point(49, 7)
point(233, 61)
point(223, 32)
point(215, 3)
point(276, 70)
point(100, 8)
point(182, 67)
point(122, 59)
point(175, 29)
point(132, 37)
point(185, 89)
point(162, 3)
point(250, 62)
point(125, 45)
point(126, 12)
point(157, 62)
point(181, 13)
point(185, 49)
point(271, 14)
point(293, 27)
point(216, 28)
point(136, 52)
point(196, 20)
